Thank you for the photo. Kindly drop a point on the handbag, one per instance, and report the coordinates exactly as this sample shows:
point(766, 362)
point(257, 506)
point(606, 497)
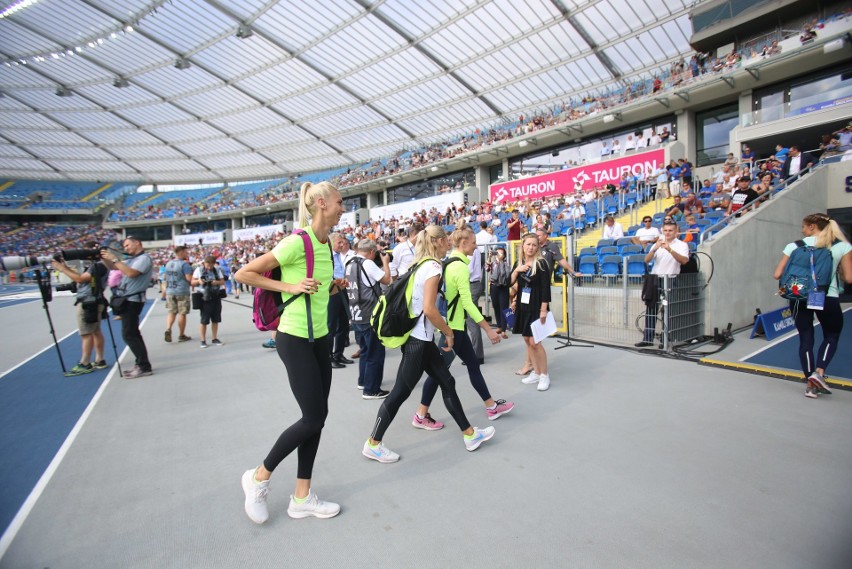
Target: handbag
point(223, 293)
point(117, 304)
point(197, 300)
point(509, 315)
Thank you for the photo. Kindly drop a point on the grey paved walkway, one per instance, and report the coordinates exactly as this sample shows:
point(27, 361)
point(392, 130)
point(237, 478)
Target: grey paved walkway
point(628, 461)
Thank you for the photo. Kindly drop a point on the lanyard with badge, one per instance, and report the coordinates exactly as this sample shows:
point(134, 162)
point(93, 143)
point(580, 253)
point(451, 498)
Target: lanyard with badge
point(816, 297)
point(526, 291)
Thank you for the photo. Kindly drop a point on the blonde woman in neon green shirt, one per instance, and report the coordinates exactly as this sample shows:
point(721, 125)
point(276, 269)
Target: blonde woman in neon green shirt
point(457, 283)
point(305, 353)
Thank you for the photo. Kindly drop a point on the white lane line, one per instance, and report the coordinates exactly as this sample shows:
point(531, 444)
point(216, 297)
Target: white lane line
point(28, 505)
point(49, 346)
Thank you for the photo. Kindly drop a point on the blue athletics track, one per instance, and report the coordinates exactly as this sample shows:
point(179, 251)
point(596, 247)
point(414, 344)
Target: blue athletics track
point(40, 408)
point(784, 353)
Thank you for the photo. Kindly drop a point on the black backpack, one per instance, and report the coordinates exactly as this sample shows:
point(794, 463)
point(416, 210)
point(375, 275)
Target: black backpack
point(391, 320)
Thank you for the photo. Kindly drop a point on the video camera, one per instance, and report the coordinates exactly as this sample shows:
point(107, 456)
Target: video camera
point(79, 254)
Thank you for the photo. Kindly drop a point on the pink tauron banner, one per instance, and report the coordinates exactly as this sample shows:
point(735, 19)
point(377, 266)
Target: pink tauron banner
point(589, 176)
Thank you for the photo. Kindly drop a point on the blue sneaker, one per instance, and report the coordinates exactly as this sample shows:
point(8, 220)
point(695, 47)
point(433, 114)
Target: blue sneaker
point(379, 452)
point(270, 343)
point(478, 437)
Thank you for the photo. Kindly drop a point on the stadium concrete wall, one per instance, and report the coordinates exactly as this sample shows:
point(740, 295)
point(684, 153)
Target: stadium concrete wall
point(745, 254)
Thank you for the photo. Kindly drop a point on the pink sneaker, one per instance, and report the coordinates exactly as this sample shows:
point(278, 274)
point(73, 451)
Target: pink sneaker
point(427, 423)
point(502, 408)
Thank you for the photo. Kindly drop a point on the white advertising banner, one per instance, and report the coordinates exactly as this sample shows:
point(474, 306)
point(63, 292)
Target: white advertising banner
point(347, 220)
point(407, 209)
point(250, 233)
point(212, 238)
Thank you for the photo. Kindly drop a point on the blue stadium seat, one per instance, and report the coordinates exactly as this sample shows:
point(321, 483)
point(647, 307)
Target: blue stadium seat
point(628, 250)
point(588, 265)
point(610, 265)
point(604, 251)
point(622, 243)
point(635, 264)
point(604, 243)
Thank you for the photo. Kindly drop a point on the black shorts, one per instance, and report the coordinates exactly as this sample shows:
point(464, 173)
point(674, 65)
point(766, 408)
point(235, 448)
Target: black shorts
point(211, 311)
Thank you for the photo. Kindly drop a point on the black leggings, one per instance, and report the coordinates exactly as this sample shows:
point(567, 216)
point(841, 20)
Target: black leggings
point(419, 356)
point(309, 371)
point(831, 318)
point(500, 302)
point(463, 348)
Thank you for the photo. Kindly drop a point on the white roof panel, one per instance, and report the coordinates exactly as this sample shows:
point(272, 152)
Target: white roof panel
point(318, 84)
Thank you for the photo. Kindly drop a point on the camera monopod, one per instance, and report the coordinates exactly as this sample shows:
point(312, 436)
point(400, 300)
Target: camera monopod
point(43, 279)
point(114, 348)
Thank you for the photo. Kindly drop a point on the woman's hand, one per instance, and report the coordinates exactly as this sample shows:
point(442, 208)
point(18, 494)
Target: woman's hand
point(449, 340)
point(307, 286)
point(522, 268)
point(543, 316)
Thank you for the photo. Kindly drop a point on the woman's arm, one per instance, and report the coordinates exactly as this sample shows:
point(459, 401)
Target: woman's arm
point(846, 267)
point(779, 268)
point(430, 308)
point(252, 275)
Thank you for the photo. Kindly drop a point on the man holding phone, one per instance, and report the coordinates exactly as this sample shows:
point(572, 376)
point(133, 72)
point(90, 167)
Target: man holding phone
point(668, 254)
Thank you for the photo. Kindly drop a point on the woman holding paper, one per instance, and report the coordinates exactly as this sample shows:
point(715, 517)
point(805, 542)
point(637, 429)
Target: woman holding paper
point(530, 282)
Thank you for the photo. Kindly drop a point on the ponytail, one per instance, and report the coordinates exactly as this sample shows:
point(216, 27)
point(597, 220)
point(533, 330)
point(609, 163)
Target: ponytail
point(829, 230)
point(426, 245)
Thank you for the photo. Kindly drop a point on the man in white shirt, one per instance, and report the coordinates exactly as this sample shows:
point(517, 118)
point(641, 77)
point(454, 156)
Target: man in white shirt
point(668, 254)
point(578, 212)
point(647, 233)
point(483, 238)
point(403, 253)
point(612, 230)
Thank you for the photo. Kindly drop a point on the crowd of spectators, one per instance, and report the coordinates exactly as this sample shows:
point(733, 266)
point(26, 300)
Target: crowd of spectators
point(45, 239)
point(680, 72)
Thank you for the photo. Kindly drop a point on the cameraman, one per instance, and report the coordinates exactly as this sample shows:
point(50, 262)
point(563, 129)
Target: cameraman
point(135, 280)
point(210, 278)
point(91, 309)
point(365, 280)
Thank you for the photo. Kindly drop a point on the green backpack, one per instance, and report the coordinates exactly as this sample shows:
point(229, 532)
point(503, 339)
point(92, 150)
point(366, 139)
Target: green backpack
point(392, 320)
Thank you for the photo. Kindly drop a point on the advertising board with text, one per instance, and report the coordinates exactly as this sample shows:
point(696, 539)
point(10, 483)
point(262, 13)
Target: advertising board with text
point(588, 176)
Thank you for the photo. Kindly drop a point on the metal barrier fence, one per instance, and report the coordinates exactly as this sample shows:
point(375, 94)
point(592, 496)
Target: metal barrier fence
point(609, 309)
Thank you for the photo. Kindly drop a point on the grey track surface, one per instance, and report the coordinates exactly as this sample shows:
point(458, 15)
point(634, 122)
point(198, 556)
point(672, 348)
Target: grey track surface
point(628, 461)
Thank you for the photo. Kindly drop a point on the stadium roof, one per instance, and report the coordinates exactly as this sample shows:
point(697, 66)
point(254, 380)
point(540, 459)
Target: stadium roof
point(215, 90)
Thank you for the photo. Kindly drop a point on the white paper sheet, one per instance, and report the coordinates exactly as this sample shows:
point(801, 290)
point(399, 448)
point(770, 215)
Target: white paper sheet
point(541, 331)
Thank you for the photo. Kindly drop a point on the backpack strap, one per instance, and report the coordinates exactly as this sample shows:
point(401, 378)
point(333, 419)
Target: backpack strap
point(451, 305)
point(309, 262)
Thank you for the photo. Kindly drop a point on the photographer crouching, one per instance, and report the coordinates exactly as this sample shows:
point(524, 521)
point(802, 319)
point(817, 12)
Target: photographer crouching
point(212, 281)
point(91, 306)
point(129, 299)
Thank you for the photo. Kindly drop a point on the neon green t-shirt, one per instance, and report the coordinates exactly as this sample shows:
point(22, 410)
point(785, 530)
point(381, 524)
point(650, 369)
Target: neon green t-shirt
point(290, 254)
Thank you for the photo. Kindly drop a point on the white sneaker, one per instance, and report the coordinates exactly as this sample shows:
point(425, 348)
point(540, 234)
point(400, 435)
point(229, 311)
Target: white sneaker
point(531, 378)
point(313, 506)
point(543, 382)
point(380, 453)
point(479, 437)
point(819, 381)
point(256, 493)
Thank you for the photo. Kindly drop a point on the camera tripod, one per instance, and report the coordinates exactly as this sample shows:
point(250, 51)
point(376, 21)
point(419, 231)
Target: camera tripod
point(43, 279)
